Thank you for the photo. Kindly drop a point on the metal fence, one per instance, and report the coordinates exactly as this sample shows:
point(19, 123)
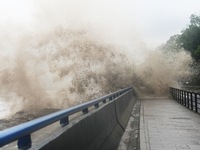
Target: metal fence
point(188, 99)
point(22, 132)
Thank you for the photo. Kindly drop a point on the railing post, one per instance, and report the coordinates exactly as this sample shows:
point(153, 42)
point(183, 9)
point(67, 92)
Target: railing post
point(96, 105)
point(191, 96)
point(185, 98)
point(104, 101)
point(85, 111)
point(188, 104)
point(64, 121)
point(196, 108)
point(177, 93)
point(110, 98)
point(172, 91)
point(24, 142)
point(181, 97)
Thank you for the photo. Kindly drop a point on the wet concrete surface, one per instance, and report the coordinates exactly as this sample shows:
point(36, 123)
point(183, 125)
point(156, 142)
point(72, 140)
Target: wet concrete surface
point(130, 139)
point(167, 125)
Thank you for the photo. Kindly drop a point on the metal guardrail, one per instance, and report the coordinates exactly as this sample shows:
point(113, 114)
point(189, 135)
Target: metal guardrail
point(22, 132)
point(188, 99)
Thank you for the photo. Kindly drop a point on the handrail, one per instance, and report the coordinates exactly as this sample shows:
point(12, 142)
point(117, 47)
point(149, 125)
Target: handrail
point(189, 99)
point(22, 132)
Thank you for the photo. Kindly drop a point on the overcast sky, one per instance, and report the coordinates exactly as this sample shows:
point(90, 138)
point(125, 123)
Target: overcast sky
point(155, 20)
point(159, 19)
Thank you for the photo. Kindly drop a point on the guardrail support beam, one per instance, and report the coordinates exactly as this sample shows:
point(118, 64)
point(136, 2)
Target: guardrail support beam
point(24, 142)
point(64, 121)
point(191, 96)
point(85, 111)
point(196, 106)
point(96, 105)
point(188, 100)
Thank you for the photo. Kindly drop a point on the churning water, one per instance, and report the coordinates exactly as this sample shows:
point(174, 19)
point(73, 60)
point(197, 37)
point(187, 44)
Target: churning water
point(72, 52)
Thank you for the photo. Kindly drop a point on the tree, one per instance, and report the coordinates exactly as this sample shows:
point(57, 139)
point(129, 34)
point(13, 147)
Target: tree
point(195, 20)
point(190, 37)
point(172, 45)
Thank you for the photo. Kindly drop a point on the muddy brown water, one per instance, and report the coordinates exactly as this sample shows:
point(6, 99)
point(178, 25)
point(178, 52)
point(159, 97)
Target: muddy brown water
point(22, 117)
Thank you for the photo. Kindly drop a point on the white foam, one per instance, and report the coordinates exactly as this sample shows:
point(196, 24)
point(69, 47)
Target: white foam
point(4, 109)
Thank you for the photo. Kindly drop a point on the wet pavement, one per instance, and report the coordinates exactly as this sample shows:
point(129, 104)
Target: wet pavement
point(130, 139)
point(167, 125)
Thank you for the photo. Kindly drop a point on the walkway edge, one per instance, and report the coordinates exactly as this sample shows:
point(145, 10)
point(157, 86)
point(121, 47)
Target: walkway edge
point(143, 139)
point(130, 139)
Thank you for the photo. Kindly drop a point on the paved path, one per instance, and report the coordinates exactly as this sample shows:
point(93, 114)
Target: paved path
point(167, 125)
point(130, 138)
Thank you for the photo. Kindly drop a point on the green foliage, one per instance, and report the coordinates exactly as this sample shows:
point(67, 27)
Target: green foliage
point(190, 37)
point(172, 45)
point(197, 53)
point(195, 20)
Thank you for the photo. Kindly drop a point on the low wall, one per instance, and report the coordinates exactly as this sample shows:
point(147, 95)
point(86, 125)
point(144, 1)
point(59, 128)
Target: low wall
point(124, 107)
point(100, 129)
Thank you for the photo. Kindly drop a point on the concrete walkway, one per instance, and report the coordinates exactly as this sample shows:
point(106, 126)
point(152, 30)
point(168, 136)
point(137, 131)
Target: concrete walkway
point(130, 138)
point(167, 125)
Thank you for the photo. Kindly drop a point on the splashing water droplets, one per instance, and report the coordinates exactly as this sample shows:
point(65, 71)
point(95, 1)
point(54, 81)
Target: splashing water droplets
point(64, 60)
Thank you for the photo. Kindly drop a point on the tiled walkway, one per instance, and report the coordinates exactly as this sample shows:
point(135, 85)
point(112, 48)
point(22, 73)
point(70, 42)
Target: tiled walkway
point(167, 125)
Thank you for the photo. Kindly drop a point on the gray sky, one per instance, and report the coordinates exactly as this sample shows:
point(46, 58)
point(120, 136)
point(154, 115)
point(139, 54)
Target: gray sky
point(159, 19)
point(154, 20)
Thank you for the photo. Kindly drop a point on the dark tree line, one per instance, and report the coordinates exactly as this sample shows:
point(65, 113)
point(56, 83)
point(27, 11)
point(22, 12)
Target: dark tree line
point(189, 39)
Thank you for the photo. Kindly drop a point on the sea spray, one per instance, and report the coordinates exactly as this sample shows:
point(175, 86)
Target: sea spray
point(72, 51)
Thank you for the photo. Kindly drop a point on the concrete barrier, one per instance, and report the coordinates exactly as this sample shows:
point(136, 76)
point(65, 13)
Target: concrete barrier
point(100, 129)
point(124, 105)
